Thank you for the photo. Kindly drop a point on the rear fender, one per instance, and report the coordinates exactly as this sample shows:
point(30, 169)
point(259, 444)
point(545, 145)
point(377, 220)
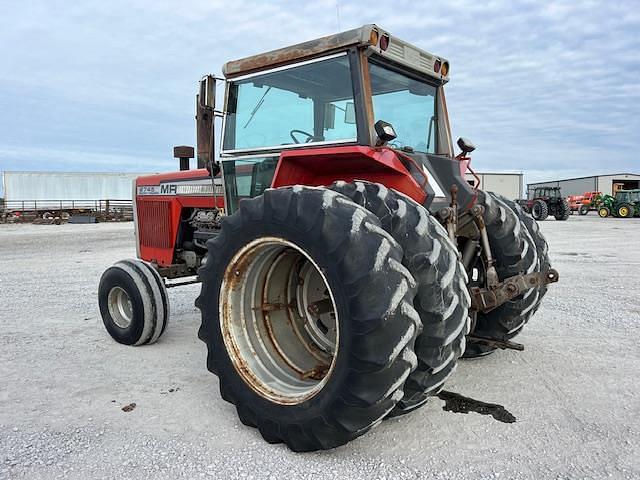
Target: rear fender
point(323, 166)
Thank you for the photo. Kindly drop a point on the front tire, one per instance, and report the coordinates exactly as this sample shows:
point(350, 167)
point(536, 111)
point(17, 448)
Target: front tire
point(133, 302)
point(604, 212)
point(442, 300)
point(584, 209)
point(297, 382)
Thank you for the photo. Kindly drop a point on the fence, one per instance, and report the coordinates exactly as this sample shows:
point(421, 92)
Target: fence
point(110, 209)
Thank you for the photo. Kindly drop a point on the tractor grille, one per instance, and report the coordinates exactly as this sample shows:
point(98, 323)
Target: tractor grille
point(154, 223)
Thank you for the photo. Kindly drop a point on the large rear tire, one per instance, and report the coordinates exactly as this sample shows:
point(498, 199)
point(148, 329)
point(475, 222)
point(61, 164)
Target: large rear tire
point(514, 252)
point(563, 211)
point(442, 300)
point(625, 210)
point(540, 210)
point(542, 248)
point(308, 318)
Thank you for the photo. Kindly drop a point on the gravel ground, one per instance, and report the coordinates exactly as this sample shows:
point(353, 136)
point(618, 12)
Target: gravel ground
point(573, 391)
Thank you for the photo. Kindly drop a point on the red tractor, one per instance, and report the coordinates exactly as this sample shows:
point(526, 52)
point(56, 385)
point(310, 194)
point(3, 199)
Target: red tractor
point(546, 201)
point(345, 262)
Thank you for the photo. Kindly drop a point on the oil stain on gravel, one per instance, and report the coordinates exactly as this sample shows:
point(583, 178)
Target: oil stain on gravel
point(454, 402)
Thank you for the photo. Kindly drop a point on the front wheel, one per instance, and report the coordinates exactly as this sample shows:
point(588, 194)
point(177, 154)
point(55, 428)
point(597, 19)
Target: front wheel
point(133, 302)
point(308, 317)
point(584, 209)
point(604, 212)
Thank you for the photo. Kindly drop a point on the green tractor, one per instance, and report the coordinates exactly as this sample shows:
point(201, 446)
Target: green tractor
point(625, 204)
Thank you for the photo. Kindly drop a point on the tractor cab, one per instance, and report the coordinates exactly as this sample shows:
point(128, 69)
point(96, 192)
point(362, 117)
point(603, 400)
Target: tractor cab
point(628, 196)
point(331, 108)
point(357, 105)
point(547, 192)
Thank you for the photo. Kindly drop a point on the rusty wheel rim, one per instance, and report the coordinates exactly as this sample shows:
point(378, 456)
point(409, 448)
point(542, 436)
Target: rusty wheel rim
point(279, 320)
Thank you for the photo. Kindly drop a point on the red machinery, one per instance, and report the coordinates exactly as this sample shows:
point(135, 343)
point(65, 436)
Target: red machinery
point(583, 203)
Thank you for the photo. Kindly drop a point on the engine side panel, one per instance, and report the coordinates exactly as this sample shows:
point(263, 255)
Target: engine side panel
point(160, 202)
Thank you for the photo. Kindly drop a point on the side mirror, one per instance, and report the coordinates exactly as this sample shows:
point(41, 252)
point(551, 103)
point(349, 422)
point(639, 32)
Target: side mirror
point(205, 105)
point(385, 132)
point(208, 91)
point(465, 145)
point(350, 113)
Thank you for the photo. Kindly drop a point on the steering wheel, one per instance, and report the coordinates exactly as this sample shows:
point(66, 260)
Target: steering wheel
point(310, 137)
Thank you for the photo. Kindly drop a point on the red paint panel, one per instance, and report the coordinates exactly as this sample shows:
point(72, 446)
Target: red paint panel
point(464, 166)
point(323, 166)
point(166, 177)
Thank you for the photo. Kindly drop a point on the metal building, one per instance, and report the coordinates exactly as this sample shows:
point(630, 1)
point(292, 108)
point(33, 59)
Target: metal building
point(607, 184)
point(507, 184)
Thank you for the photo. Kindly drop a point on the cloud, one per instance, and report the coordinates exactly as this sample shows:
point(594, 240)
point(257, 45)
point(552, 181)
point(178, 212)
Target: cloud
point(548, 89)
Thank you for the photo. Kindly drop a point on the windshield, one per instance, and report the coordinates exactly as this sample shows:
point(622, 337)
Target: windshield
point(628, 196)
point(407, 104)
point(308, 103)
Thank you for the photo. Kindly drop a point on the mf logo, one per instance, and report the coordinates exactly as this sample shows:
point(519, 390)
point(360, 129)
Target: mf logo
point(168, 189)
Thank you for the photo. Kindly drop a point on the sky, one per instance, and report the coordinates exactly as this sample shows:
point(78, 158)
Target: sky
point(549, 89)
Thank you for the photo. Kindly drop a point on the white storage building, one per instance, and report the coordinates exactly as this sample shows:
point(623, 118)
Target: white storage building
point(507, 184)
point(28, 186)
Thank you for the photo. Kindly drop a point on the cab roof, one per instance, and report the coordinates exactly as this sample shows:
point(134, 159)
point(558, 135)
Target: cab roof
point(363, 37)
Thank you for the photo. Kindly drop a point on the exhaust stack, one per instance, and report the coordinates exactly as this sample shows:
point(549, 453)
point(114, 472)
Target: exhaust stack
point(184, 153)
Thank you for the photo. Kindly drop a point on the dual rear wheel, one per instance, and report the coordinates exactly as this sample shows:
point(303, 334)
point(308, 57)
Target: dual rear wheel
point(518, 246)
point(313, 314)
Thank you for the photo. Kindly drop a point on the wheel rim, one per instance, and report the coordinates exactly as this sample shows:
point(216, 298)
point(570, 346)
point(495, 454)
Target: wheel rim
point(120, 308)
point(602, 212)
point(624, 211)
point(278, 320)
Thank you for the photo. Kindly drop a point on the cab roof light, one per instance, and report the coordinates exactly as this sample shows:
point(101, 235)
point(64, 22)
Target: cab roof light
point(384, 42)
point(373, 37)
